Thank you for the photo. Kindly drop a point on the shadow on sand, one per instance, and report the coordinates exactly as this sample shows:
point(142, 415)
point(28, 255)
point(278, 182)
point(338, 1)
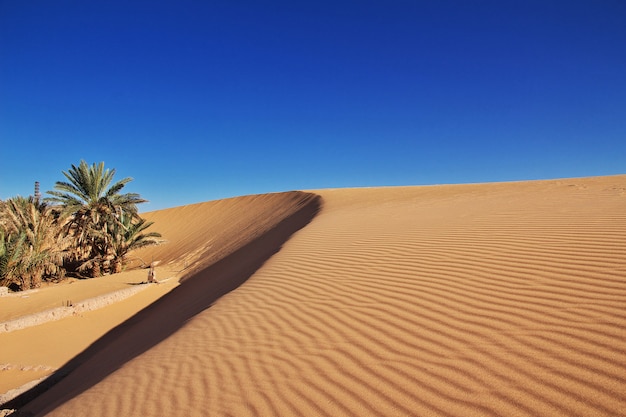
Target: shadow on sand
point(160, 319)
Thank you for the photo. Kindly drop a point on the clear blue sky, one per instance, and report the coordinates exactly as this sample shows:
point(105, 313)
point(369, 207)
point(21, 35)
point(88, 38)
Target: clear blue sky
point(201, 100)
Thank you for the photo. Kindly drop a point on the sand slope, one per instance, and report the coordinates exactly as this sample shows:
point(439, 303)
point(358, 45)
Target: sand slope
point(38, 351)
point(472, 300)
point(199, 234)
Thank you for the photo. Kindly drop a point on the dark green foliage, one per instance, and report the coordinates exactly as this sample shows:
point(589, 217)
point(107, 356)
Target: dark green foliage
point(97, 211)
point(32, 243)
point(90, 230)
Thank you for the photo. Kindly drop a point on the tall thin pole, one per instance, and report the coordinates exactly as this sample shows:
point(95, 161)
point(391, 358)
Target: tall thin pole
point(37, 193)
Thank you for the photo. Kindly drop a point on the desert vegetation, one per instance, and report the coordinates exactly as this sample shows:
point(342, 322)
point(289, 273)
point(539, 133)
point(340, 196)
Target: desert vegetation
point(86, 227)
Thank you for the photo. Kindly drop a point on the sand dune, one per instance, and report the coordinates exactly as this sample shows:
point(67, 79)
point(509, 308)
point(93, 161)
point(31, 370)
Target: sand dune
point(23, 359)
point(468, 300)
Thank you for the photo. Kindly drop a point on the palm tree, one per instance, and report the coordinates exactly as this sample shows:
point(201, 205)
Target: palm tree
point(126, 235)
point(32, 246)
point(11, 249)
point(93, 203)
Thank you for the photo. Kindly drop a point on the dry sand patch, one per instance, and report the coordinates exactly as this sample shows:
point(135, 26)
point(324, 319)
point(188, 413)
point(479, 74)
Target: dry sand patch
point(487, 299)
point(248, 217)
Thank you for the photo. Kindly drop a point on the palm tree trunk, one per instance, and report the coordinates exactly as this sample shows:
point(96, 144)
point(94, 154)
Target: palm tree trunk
point(35, 280)
point(117, 266)
point(95, 270)
point(24, 282)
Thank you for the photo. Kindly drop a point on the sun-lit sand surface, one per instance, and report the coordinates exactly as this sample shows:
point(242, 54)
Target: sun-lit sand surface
point(468, 300)
point(195, 235)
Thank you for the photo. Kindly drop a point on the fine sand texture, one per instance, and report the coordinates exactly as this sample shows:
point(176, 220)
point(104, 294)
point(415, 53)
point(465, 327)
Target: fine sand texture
point(505, 299)
point(52, 332)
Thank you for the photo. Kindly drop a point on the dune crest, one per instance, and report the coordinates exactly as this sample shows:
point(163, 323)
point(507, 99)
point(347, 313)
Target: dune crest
point(473, 300)
point(197, 235)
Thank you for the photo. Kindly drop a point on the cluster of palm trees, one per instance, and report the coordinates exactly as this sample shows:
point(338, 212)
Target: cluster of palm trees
point(87, 228)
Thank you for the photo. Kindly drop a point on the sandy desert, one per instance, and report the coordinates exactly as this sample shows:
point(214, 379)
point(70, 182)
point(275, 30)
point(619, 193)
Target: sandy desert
point(498, 299)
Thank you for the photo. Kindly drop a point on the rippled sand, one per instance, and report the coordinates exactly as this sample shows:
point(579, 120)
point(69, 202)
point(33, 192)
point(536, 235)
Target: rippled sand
point(464, 300)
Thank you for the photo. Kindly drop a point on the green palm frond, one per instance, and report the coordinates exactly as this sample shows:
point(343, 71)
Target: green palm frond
point(95, 204)
point(33, 243)
point(128, 234)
